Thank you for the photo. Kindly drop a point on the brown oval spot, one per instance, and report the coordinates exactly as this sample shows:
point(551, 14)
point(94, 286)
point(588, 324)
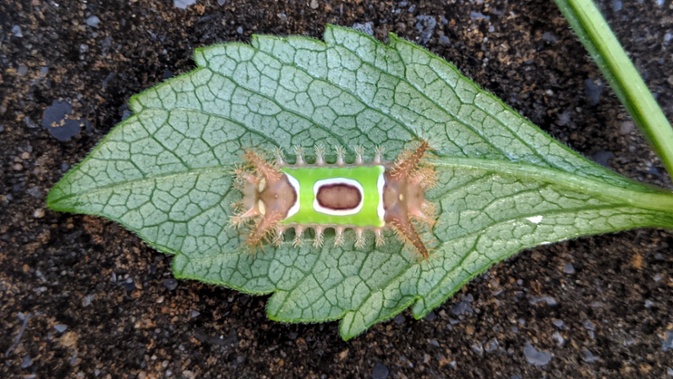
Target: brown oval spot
point(338, 197)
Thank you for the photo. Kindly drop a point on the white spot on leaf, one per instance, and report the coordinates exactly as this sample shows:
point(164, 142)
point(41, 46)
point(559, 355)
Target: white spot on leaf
point(535, 219)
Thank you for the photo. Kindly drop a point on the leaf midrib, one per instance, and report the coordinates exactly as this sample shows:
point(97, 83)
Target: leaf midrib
point(638, 195)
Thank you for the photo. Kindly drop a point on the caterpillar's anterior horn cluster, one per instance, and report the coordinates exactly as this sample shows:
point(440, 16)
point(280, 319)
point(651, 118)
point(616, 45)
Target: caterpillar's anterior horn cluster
point(360, 196)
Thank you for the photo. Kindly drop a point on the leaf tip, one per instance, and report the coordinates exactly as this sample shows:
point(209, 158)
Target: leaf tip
point(57, 194)
point(53, 197)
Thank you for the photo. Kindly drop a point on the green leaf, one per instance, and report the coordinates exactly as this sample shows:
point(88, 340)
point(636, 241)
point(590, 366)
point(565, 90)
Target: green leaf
point(504, 185)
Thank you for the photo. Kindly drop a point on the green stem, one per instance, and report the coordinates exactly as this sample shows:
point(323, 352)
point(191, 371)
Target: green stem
point(597, 37)
point(639, 196)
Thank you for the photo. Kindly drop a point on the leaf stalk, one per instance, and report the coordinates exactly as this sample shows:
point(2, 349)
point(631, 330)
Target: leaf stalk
point(597, 37)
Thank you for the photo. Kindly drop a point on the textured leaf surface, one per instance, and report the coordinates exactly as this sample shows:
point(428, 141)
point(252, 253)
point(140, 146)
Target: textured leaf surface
point(504, 185)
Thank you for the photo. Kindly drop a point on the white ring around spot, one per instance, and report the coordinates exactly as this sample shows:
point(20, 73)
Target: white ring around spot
point(380, 183)
point(295, 184)
point(337, 212)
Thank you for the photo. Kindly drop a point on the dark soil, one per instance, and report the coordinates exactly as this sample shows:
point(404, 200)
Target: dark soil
point(81, 297)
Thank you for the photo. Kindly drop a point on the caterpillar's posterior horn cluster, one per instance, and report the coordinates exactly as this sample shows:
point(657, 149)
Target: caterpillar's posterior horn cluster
point(360, 196)
point(404, 196)
point(267, 197)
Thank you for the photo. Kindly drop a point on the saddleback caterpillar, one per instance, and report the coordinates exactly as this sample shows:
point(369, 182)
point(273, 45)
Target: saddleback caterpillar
point(360, 196)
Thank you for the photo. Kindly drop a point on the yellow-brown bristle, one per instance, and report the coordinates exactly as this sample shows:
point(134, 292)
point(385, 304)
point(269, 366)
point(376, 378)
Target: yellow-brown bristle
point(319, 238)
point(429, 209)
point(262, 228)
point(359, 238)
point(423, 218)
point(379, 241)
point(264, 168)
point(409, 160)
point(298, 232)
point(408, 234)
point(424, 176)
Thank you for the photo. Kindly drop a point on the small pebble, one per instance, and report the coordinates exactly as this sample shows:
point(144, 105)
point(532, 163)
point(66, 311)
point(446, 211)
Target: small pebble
point(22, 69)
point(593, 90)
point(557, 323)
point(602, 157)
point(617, 5)
point(669, 371)
point(549, 37)
point(569, 268)
point(668, 37)
point(478, 16)
point(194, 314)
point(589, 357)
point(39, 213)
point(536, 357)
point(239, 30)
point(478, 348)
point(461, 308)
point(589, 326)
point(626, 127)
point(556, 336)
point(399, 319)
point(35, 192)
point(380, 371)
point(60, 328)
point(29, 123)
point(183, 4)
point(16, 30)
point(93, 21)
point(543, 299)
point(314, 4)
point(66, 129)
point(366, 28)
point(170, 284)
point(425, 25)
point(55, 112)
point(26, 362)
point(564, 117)
point(668, 341)
point(86, 301)
point(491, 345)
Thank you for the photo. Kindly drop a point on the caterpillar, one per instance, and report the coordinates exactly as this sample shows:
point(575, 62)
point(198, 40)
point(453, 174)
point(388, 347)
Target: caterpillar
point(361, 196)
